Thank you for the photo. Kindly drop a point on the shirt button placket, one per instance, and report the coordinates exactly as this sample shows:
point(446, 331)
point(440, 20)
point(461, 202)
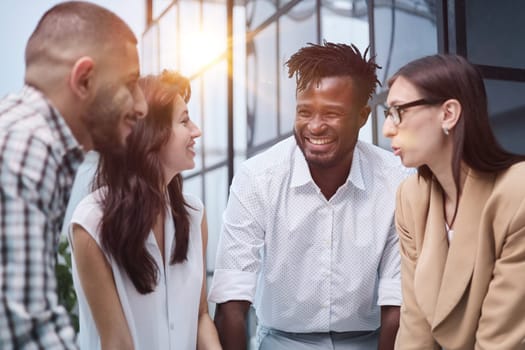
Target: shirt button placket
point(331, 259)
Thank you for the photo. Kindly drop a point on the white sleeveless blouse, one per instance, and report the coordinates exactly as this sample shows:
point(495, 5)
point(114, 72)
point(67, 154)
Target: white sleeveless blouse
point(165, 318)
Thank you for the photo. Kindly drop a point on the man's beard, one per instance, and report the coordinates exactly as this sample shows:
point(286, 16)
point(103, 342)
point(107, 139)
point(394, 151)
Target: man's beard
point(103, 122)
point(334, 160)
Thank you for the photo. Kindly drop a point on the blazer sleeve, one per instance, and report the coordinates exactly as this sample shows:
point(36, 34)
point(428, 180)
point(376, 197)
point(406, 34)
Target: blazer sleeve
point(502, 321)
point(414, 331)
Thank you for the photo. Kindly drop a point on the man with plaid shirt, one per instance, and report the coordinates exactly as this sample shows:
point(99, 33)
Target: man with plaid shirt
point(80, 93)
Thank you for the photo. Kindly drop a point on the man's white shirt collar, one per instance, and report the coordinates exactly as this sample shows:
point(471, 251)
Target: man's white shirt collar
point(301, 173)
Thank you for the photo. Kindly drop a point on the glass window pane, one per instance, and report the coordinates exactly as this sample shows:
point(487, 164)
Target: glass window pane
point(202, 35)
point(262, 87)
point(190, 20)
point(257, 11)
point(296, 28)
point(284, 2)
point(365, 133)
point(168, 40)
point(380, 120)
point(215, 121)
point(159, 6)
point(494, 29)
point(216, 183)
point(193, 185)
point(150, 57)
point(345, 22)
point(506, 109)
point(214, 31)
point(239, 81)
point(403, 33)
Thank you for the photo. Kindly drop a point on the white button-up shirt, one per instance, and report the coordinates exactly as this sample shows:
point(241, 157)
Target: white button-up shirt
point(319, 265)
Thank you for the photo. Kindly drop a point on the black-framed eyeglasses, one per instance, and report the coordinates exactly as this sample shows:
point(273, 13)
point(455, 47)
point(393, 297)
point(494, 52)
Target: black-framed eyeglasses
point(394, 112)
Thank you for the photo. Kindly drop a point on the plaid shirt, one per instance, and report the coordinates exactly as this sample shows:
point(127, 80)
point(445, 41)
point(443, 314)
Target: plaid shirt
point(38, 160)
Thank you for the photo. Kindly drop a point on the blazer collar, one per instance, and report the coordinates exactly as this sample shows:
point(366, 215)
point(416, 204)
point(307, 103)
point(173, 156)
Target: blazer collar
point(443, 273)
point(433, 256)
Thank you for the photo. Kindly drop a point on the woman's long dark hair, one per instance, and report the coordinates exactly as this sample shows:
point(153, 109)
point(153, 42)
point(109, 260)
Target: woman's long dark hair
point(443, 77)
point(134, 194)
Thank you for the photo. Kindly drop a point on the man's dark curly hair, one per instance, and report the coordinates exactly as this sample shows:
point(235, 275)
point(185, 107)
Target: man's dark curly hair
point(313, 62)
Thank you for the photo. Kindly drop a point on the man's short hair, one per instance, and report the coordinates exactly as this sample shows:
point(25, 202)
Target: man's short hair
point(74, 24)
point(314, 62)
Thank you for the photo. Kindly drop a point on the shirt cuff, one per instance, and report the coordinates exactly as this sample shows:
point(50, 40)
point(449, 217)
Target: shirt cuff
point(232, 285)
point(389, 292)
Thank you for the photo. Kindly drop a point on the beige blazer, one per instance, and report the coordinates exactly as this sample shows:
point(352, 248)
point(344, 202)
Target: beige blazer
point(469, 294)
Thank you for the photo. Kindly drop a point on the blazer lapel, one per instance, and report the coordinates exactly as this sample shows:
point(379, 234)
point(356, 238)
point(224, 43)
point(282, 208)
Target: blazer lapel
point(433, 255)
point(463, 247)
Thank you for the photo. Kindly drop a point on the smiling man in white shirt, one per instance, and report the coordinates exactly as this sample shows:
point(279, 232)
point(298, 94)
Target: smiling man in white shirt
point(308, 234)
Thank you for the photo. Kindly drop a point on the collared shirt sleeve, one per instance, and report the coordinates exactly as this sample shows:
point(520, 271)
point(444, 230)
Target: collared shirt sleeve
point(28, 195)
point(238, 257)
point(389, 289)
point(38, 158)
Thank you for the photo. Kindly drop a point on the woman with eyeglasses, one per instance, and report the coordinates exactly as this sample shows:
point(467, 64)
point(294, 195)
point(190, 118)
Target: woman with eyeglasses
point(461, 218)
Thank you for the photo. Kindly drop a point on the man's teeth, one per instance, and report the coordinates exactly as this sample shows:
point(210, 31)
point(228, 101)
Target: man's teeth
point(319, 141)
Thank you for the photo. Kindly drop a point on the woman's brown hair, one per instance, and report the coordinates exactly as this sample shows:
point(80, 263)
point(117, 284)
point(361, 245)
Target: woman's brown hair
point(134, 193)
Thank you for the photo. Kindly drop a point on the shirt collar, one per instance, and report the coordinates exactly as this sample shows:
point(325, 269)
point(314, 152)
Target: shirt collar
point(356, 173)
point(301, 173)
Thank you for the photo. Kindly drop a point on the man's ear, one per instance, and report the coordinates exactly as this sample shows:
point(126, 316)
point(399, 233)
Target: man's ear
point(81, 78)
point(451, 113)
point(363, 115)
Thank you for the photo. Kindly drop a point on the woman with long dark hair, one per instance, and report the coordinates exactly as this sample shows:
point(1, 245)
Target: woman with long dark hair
point(461, 219)
point(139, 243)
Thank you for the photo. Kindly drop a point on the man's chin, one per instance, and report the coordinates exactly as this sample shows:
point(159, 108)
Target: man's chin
point(320, 162)
point(113, 146)
point(327, 160)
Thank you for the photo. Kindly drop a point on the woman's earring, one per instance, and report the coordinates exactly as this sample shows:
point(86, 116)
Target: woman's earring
point(445, 130)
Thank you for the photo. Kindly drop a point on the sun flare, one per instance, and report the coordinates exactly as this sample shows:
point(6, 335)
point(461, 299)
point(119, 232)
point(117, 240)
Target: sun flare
point(200, 49)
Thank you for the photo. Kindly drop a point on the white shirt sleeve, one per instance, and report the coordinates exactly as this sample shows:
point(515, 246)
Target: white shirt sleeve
point(238, 256)
point(389, 289)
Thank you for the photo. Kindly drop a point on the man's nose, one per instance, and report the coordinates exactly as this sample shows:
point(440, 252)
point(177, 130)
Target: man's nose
point(141, 106)
point(316, 124)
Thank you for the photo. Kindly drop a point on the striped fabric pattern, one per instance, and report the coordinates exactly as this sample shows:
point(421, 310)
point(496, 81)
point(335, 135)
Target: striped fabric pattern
point(38, 160)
